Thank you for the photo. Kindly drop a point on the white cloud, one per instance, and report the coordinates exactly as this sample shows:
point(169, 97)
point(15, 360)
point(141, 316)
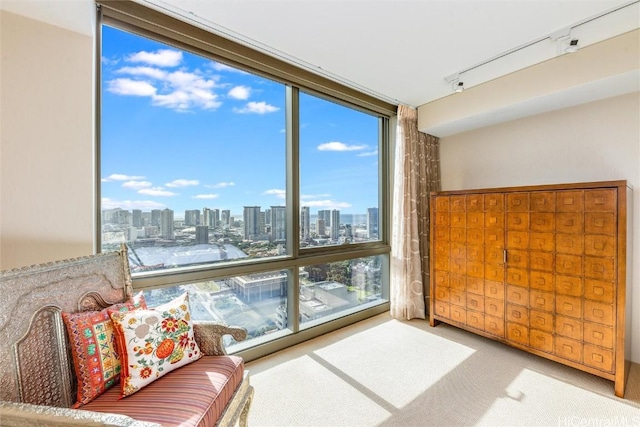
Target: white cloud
point(340, 146)
point(126, 86)
point(221, 185)
point(176, 183)
point(205, 196)
point(108, 203)
point(328, 204)
point(314, 196)
point(240, 92)
point(136, 185)
point(280, 194)
point(157, 191)
point(368, 153)
point(160, 58)
point(121, 177)
point(257, 108)
point(144, 71)
point(224, 67)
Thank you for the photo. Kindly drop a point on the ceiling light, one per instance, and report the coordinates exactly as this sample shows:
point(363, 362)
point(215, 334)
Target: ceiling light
point(572, 47)
point(458, 87)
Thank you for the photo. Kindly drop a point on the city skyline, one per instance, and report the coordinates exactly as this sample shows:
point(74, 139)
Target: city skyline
point(182, 132)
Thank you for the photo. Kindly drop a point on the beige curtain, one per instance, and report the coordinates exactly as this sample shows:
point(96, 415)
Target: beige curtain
point(416, 174)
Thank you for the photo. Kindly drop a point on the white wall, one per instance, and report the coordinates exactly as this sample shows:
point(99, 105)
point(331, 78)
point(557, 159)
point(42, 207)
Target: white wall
point(599, 141)
point(46, 142)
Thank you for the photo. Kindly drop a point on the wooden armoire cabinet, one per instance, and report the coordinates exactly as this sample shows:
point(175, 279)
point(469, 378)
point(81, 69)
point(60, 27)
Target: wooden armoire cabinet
point(540, 268)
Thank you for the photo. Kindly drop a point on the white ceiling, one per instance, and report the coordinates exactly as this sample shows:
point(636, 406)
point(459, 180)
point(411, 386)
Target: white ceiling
point(399, 50)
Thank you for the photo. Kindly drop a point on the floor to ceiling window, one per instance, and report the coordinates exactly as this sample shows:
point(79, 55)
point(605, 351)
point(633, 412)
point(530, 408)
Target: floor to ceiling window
point(260, 197)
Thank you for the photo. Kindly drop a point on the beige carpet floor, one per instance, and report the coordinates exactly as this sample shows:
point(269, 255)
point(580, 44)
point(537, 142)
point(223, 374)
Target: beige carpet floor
point(385, 372)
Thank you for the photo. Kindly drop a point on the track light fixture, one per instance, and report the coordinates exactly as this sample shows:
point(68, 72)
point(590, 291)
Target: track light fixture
point(456, 85)
point(459, 87)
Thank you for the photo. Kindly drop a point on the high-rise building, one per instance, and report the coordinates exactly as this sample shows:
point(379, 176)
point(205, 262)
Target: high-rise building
point(267, 217)
point(215, 218)
point(202, 235)
point(335, 224)
point(155, 217)
point(192, 217)
point(207, 218)
point(305, 223)
point(226, 218)
point(322, 230)
point(166, 224)
point(373, 223)
point(124, 217)
point(326, 215)
point(278, 223)
point(251, 217)
point(136, 218)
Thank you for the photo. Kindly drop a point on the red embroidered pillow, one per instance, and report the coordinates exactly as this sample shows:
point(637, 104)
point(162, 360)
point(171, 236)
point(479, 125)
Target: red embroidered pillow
point(96, 358)
point(154, 342)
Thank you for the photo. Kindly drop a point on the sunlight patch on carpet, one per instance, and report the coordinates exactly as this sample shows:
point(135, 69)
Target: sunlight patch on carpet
point(364, 358)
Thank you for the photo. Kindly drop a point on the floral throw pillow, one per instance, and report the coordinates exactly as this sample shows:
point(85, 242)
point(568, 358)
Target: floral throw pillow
point(154, 342)
point(96, 358)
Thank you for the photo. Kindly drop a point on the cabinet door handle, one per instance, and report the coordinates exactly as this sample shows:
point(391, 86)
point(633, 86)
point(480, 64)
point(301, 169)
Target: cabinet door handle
point(504, 256)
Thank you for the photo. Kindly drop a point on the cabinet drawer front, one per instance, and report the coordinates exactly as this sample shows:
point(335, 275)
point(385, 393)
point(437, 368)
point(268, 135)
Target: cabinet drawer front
point(568, 349)
point(494, 254)
point(493, 202)
point(518, 259)
point(543, 201)
point(443, 309)
point(475, 202)
point(570, 244)
point(475, 320)
point(494, 220)
point(541, 261)
point(494, 307)
point(604, 200)
point(599, 335)
point(518, 202)
point(569, 327)
point(599, 245)
point(494, 238)
point(475, 269)
point(458, 235)
point(518, 295)
point(569, 264)
point(458, 266)
point(442, 219)
point(518, 240)
point(518, 333)
point(598, 358)
point(457, 282)
point(458, 219)
point(543, 301)
point(475, 236)
point(442, 249)
point(475, 302)
point(541, 280)
point(517, 314)
point(475, 286)
point(494, 272)
point(458, 314)
point(458, 298)
point(442, 234)
point(570, 201)
point(518, 220)
point(543, 222)
point(475, 219)
point(442, 293)
point(542, 241)
point(600, 223)
point(442, 203)
point(600, 268)
point(441, 278)
point(598, 290)
point(475, 252)
point(541, 320)
point(541, 340)
point(572, 223)
point(494, 290)
point(569, 306)
point(569, 285)
point(517, 276)
point(598, 312)
point(494, 325)
point(457, 204)
point(458, 250)
point(442, 263)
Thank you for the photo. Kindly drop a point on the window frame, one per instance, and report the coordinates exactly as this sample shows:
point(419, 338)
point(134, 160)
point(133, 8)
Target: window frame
point(162, 27)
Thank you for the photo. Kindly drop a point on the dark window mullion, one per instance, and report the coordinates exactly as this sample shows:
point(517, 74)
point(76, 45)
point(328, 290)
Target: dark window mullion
point(293, 202)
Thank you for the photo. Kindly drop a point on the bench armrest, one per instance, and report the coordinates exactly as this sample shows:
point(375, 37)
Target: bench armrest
point(26, 415)
point(208, 335)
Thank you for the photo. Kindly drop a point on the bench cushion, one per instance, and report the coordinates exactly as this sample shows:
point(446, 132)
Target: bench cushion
point(194, 395)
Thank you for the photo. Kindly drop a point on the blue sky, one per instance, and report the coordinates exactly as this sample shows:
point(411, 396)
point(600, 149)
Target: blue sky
point(183, 132)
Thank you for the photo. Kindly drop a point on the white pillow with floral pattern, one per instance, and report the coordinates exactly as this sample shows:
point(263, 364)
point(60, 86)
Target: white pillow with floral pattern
point(154, 342)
